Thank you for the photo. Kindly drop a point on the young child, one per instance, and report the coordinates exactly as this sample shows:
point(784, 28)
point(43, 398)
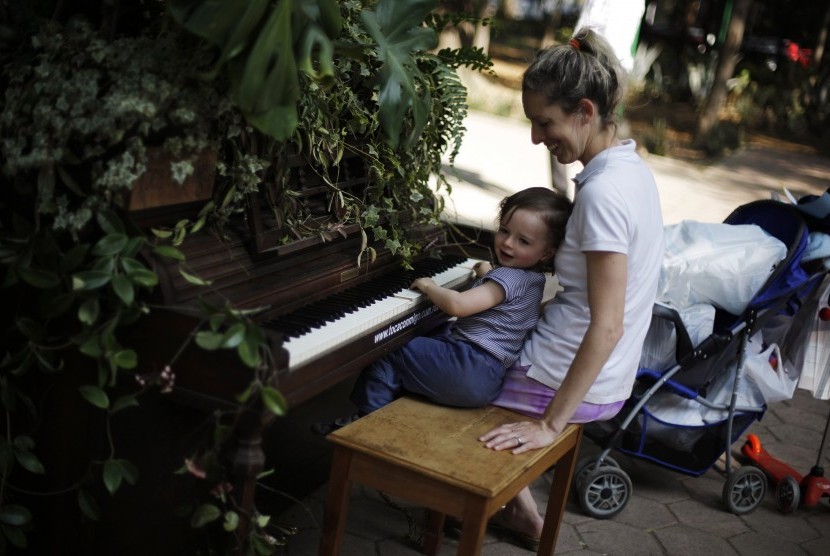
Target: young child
point(464, 366)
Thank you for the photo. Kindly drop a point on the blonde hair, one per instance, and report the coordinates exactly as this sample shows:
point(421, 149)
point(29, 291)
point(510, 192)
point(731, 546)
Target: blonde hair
point(584, 67)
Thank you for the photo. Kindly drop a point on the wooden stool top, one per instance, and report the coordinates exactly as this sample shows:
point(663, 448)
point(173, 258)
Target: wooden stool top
point(442, 443)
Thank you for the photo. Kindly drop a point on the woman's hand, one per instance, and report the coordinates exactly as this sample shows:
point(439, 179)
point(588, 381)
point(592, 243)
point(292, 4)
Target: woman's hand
point(519, 437)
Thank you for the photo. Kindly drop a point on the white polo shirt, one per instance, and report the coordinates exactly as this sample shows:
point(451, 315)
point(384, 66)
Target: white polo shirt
point(617, 209)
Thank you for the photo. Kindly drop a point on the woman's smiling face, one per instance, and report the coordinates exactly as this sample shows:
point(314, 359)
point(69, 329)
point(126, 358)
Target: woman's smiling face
point(565, 135)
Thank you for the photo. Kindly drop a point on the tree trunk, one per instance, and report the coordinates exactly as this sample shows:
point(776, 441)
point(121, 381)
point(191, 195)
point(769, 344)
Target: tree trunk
point(818, 53)
point(727, 60)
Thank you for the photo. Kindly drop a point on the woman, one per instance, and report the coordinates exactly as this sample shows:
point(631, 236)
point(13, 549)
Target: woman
point(579, 363)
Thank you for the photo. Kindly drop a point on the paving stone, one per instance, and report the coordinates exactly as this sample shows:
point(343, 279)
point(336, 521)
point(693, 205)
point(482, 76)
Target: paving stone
point(714, 521)
point(643, 513)
point(760, 544)
point(766, 519)
point(688, 541)
point(613, 537)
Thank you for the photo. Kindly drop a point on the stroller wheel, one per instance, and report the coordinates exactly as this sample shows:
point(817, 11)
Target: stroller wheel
point(604, 492)
point(585, 466)
point(744, 490)
point(787, 494)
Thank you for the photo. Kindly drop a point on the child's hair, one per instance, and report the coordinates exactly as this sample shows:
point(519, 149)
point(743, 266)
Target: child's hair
point(553, 206)
point(584, 67)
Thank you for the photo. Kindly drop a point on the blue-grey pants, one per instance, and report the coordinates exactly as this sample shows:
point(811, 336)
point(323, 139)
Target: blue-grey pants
point(446, 370)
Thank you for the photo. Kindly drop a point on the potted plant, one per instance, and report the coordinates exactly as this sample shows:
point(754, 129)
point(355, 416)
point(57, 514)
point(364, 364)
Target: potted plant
point(92, 100)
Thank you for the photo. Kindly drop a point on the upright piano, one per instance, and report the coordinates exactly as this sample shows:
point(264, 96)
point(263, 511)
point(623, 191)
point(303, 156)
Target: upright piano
point(326, 312)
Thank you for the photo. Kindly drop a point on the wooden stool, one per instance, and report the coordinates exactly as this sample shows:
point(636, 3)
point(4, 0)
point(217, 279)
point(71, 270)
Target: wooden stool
point(430, 455)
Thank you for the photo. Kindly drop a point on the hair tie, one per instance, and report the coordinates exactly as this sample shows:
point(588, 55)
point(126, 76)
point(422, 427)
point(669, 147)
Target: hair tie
point(574, 43)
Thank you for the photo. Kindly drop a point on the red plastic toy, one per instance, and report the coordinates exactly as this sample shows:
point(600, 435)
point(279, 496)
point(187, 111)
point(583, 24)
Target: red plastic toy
point(791, 488)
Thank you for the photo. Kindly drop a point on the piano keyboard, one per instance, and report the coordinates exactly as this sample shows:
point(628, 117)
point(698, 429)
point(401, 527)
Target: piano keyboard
point(335, 320)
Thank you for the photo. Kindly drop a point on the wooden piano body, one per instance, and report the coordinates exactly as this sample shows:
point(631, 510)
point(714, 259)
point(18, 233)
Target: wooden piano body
point(248, 269)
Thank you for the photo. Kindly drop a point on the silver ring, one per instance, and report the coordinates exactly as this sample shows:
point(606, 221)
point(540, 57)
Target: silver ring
point(519, 440)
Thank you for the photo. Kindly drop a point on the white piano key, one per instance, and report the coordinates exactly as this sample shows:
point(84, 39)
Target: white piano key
point(339, 331)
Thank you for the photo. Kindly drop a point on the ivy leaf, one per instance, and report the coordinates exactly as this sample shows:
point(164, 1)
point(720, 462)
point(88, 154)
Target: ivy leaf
point(124, 402)
point(29, 462)
point(209, 340)
point(95, 396)
point(234, 336)
point(14, 515)
point(73, 258)
point(125, 359)
point(193, 279)
point(231, 521)
point(109, 222)
point(129, 471)
point(112, 475)
point(88, 505)
point(91, 347)
point(89, 310)
point(38, 278)
point(123, 288)
point(274, 401)
point(90, 279)
point(204, 514)
point(169, 252)
point(248, 352)
point(110, 244)
point(144, 277)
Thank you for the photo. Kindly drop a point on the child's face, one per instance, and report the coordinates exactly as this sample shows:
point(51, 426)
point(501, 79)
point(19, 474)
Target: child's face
point(522, 240)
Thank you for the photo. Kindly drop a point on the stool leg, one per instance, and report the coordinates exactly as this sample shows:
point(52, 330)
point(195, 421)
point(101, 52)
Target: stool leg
point(434, 535)
point(337, 502)
point(558, 498)
point(473, 528)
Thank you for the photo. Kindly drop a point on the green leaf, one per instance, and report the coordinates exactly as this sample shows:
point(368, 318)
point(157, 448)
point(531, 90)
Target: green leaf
point(38, 278)
point(234, 336)
point(73, 258)
point(29, 462)
point(163, 234)
point(88, 505)
point(124, 402)
point(110, 244)
point(248, 352)
point(169, 252)
point(209, 340)
point(90, 279)
point(396, 27)
point(110, 222)
point(15, 536)
point(112, 475)
point(129, 471)
point(231, 521)
point(12, 514)
point(123, 288)
point(205, 514)
point(89, 311)
point(125, 359)
point(144, 277)
point(95, 396)
point(274, 401)
point(193, 279)
point(91, 347)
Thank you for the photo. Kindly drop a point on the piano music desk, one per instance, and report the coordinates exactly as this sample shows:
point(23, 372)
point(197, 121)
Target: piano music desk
point(430, 455)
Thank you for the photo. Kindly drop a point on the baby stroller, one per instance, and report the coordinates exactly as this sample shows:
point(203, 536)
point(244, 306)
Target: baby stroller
point(704, 382)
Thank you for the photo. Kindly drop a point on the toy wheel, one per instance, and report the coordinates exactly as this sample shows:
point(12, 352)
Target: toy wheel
point(585, 466)
point(787, 494)
point(744, 490)
point(604, 492)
